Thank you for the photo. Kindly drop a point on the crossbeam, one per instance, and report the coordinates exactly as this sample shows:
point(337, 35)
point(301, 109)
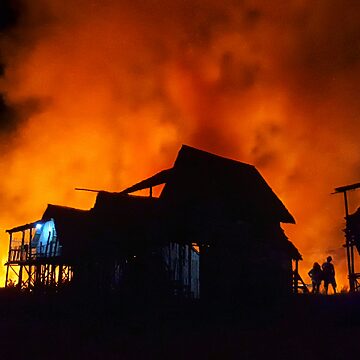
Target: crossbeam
point(347, 188)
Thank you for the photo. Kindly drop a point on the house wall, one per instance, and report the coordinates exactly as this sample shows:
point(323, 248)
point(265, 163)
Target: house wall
point(231, 273)
point(45, 240)
point(183, 266)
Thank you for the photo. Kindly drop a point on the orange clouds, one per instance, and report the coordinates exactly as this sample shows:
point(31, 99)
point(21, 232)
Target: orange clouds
point(116, 87)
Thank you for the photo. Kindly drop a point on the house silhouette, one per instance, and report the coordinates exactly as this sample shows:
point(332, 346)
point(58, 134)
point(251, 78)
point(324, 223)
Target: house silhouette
point(214, 232)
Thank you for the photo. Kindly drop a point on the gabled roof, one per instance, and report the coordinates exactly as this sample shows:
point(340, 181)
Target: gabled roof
point(203, 180)
point(64, 212)
point(73, 227)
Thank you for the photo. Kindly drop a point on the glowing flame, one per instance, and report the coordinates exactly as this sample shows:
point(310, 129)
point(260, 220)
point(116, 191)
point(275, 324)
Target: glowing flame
point(107, 91)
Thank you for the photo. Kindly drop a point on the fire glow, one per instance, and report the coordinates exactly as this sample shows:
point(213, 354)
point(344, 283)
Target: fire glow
point(107, 92)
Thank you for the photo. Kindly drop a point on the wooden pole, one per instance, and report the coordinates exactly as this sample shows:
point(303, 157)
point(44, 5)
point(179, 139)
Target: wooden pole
point(181, 266)
point(29, 258)
point(47, 245)
point(21, 258)
point(9, 258)
point(60, 275)
point(296, 282)
point(189, 268)
point(349, 249)
point(56, 246)
point(29, 248)
point(38, 275)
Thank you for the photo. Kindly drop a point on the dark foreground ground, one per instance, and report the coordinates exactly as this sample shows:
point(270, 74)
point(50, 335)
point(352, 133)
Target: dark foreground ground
point(106, 327)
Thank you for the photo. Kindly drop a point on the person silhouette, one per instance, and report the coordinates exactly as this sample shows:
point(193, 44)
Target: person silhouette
point(316, 276)
point(329, 274)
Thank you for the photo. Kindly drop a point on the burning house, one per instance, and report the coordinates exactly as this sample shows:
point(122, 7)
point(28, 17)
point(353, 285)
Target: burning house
point(43, 253)
point(214, 230)
point(226, 209)
point(118, 244)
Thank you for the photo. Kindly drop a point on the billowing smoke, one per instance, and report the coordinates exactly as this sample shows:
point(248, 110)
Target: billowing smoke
point(101, 94)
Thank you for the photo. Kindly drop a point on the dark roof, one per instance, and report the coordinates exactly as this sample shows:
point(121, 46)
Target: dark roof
point(281, 242)
point(74, 228)
point(63, 212)
point(23, 227)
point(127, 222)
point(159, 178)
point(204, 181)
point(203, 193)
point(292, 250)
point(117, 222)
point(122, 205)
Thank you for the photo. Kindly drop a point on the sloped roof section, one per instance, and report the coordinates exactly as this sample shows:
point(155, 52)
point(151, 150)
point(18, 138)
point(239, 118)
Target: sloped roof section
point(73, 227)
point(199, 177)
point(122, 205)
point(23, 227)
point(65, 212)
point(159, 178)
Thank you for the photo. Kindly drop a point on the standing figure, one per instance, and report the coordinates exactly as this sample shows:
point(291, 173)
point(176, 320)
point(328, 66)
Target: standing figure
point(329, 274)
point(316, 276)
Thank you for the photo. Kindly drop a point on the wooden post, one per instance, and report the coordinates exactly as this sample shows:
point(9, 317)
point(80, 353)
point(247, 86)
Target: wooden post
point(9, 257)
point(181, 266)
point(189, 268)
point(349, 249)
point(29, 246)
point(296, 282)
point(53, 277)
point(47, 272)
point(56, 245)
point(47, 245)
point(60, 275)
point(42, 272)
point(23, 246)
point(29, 276)
point(201, 271)
point(21, 259)
point(38, 275)
point(29, 258)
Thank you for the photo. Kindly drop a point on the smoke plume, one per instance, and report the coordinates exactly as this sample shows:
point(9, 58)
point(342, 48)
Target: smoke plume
point(101, 94)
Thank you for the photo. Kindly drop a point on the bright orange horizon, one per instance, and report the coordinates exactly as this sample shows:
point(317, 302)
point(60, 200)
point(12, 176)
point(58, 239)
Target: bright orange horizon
point(106, 92)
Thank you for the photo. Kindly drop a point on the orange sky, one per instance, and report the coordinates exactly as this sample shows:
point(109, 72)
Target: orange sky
point(106, 92)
